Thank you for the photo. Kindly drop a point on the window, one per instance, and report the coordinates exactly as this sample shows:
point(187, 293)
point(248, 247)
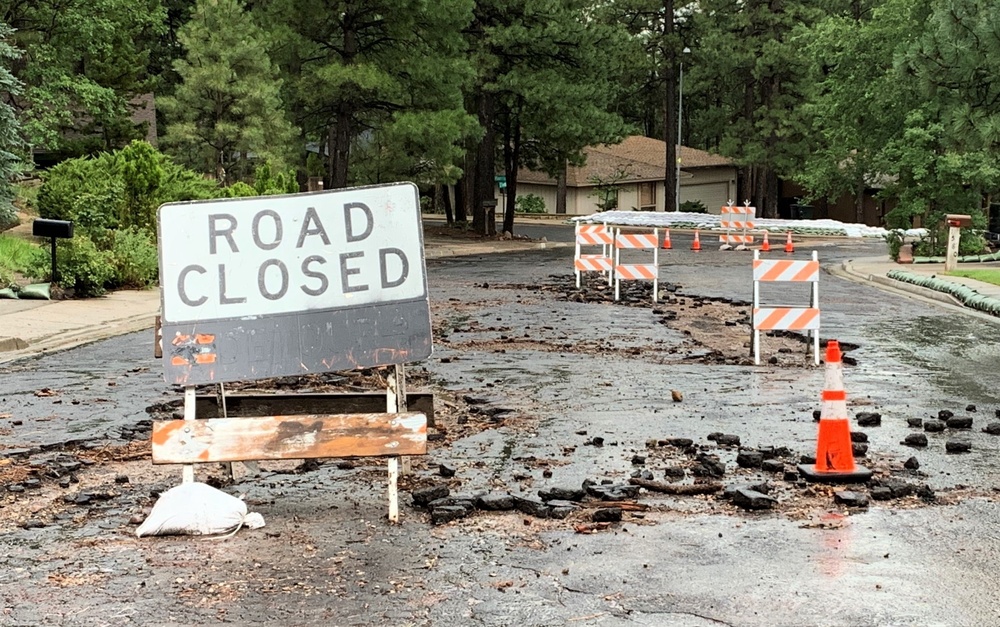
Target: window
point(647, 196)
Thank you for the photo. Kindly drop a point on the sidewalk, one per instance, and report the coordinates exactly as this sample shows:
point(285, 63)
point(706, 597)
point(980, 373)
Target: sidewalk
point(873, 270)
point(35, 327)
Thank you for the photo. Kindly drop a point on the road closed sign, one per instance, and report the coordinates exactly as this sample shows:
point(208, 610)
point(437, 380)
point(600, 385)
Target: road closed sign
point(282, 285)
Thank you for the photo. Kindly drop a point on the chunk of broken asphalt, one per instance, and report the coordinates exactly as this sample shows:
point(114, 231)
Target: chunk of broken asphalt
point(675, 472)
point(423, 496)
point(752, 499)
point(531, 506)
point(773, 465)
point(859, 436)
point(817, 414)
point(959, 422)
point(638, 460)
point(607, 514)
point(958, 446)
point(644, 474)
point(860, 449)
point(993, 428)
point(933, 426)
point(447, 513)
point(868, 419)
point(945, 414)
point(678, 442)
point(911, 464)
point(915, 422)
point(619, 492)
point(495, 502)
point(850, 498)
point(446, 471)
point(881, 493)
point(749, 459)
point(915, 439)
point(724, 439)
point(564, 494)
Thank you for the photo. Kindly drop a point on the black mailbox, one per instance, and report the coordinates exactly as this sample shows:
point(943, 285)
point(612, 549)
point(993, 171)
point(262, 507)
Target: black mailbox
point(62, 229)
point(52, 229)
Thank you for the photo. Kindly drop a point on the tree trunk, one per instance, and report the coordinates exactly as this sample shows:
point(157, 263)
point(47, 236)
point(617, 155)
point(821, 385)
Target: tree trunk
point(461, 199)
point(485, 166)
point(771, 194)
point(341, 149)
point(859, 202)
point(561, 190)
point(448, 213)
point(512, 157)
point(669, 109)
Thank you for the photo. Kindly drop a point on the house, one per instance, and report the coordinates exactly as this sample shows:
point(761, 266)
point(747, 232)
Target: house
point(630, 175)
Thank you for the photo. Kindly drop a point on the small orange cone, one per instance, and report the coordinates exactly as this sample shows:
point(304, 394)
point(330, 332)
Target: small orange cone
point(789, 247)
point(666, 240)
point(696, 244)
point(834, 451)
point(765, 247)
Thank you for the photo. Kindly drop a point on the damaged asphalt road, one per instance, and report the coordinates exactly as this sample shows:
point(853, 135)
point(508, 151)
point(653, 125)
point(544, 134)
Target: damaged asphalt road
point(542, 393)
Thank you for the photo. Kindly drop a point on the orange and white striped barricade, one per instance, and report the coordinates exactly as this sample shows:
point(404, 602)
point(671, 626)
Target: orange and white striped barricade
point(637, 271)
point(785, 318)
point(593, 235)
point(735, 218)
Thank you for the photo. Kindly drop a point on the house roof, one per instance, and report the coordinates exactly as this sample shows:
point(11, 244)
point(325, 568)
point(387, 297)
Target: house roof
point(636, 158)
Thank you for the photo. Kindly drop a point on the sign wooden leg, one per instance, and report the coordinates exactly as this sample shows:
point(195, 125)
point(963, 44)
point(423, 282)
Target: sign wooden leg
point(393, 494)
point(187, 474)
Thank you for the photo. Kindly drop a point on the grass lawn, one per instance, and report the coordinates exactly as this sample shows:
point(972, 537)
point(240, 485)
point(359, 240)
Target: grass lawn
point(989, 275)
point(15, 253)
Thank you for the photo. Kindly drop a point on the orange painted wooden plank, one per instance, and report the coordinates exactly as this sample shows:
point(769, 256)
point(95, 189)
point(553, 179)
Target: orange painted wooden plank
point(289, 437)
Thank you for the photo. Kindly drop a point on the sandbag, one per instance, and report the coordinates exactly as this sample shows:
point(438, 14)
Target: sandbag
point(197, 509)
point(8, 292)
point(37, 291)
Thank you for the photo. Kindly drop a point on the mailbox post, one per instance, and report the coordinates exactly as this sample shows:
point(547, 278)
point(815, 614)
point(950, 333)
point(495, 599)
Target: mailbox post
point(52, 229)
point(955, 224)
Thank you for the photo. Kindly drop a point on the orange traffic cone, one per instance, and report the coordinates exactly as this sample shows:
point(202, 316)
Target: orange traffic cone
point(696, 244)
point(789, 246)
point(765, 247)
point(834, 452)
point(666, 240)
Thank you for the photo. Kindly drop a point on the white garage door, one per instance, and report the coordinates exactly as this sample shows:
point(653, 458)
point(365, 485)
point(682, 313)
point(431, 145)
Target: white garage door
point(713, 195)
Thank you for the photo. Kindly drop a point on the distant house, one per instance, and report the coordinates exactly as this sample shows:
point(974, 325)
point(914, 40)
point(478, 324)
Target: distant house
point(630, 176)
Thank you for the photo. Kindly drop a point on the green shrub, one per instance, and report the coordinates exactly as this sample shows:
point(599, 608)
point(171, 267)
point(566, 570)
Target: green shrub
point(529, 203)
point(8, 215)
point(135, 181)
point(134, 258)
point(266, 182)
point(239, 189)
point(693, 206)
point(81, 266)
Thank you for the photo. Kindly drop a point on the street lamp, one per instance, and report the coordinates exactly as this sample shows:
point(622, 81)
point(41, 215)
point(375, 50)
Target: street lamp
point(680, 112)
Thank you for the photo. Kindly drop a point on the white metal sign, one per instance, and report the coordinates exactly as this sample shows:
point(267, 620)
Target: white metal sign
point(280, 254)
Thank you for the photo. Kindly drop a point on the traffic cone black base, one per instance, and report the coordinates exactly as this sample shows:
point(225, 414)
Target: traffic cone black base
point(860, 474)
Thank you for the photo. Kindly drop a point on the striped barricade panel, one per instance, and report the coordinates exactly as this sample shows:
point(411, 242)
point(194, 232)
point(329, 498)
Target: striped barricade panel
point(593, 235)
point(785, 319)
point(636, 272)
point(786, 270)
point(737, 224)
point(740, 210)
point(636, 240)
point(593, 263)
point(727, 238)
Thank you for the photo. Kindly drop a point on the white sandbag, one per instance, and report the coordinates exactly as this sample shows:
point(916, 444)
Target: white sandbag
point(197, 509)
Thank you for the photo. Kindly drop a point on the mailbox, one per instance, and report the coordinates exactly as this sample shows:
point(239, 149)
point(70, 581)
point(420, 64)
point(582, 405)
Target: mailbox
point(962, 221)
point(52, 229)
point(63, 229)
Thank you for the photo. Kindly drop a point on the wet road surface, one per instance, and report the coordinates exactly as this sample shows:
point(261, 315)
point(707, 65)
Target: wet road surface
point(687, 563)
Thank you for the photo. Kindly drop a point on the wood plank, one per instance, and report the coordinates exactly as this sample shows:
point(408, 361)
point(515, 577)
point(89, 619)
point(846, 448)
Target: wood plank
point(243, 405)
point(288, 437)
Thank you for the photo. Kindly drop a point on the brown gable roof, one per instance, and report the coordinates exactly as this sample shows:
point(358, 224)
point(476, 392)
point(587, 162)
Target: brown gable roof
point(639, 158)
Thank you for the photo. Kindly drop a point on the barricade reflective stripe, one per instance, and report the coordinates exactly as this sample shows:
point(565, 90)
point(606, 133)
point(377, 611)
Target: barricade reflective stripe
point(634, 272)
point(739, 210)
point(593, 235)
point(636, 240)
point(736, 239)
point(785, 270)
point(593, 263)
point(730, 224)
point(785, 318)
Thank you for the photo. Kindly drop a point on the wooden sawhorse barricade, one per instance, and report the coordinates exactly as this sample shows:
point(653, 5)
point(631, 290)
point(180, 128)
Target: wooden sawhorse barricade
point(785, 318)
point(392, 434)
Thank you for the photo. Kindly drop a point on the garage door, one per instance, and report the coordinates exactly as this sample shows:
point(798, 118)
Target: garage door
point(713, 195)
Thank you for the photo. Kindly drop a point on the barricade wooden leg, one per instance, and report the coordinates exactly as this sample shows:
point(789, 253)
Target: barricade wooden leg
point(187, 474)
point(393, 495)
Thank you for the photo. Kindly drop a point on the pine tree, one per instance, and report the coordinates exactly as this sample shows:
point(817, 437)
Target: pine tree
point(11, 143)
point(228, 106)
